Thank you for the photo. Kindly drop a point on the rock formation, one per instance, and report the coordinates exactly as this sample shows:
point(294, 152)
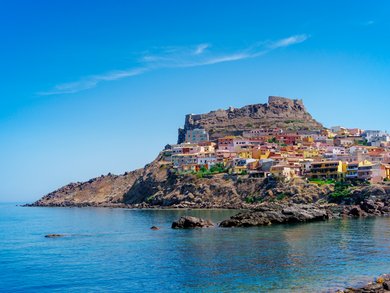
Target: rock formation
point(279, 112)
point(188, 222)
point(381, 285)
point(270, 213)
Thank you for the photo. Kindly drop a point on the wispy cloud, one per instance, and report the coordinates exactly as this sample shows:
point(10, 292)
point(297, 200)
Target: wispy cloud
point(289, 41)
point(91, 81)
point(200, 48)
point(368, 23)
point(175, 57)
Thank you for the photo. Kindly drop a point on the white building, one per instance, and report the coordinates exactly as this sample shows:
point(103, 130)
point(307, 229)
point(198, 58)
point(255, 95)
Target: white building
point(373, 135)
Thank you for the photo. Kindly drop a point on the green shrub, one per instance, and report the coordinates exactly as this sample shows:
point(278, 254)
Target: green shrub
point(218, 168)
point(322, 182)
point(250, 199)
point(341, 191)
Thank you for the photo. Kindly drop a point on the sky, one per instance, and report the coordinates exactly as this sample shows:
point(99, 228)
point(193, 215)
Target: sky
point(92, 87)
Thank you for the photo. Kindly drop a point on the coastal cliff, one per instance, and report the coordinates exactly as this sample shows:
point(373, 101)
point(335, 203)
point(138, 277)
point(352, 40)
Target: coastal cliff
point(155, 184)
point(158, 184)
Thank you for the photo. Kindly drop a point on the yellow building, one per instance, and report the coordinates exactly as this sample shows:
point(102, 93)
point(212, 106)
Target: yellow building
point(328, 170)
point(386, 171)
point(308, 140)
point(260, 154)
point(308, 154)
point(239, 169)
point(247, 154)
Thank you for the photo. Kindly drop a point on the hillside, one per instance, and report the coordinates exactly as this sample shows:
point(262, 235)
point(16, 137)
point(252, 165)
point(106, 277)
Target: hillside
point(157, 185)
point(103, 190)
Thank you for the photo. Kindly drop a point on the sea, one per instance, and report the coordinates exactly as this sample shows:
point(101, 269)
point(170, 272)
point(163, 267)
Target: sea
point(114, 250)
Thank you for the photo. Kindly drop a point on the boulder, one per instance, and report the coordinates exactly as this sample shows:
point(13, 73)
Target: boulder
point(356, 211)
point(369, 206)
point(191, 222)
point(386, 285)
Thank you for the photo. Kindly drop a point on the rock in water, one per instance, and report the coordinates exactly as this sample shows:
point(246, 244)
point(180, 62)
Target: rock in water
point(54, 235)
point(191, 222)
point(381, 285)
point(154, 228)
point(276, 214)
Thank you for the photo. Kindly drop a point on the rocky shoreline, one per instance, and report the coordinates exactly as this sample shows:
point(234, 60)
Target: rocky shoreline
point(276, 213)
point(372, 206)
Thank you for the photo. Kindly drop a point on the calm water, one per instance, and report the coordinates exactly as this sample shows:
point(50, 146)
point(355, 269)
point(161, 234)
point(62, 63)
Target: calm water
point(114, 250)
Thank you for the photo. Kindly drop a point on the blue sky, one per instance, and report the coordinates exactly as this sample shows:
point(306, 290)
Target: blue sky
point(91, 87)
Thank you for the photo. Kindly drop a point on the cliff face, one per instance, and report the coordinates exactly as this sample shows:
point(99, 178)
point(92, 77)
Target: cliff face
point(156, 185)
point(278, 112)
point(160, 187)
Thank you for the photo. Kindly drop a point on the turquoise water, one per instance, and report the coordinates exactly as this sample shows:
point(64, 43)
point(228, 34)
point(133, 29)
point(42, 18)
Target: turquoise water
point(114, 250)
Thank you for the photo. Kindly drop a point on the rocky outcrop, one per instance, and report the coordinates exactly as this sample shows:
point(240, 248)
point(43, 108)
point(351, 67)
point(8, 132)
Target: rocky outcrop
point(380, 285)
point(158, 186)
point(369, 207)
point(361, 193)
point(191, 222)
point(278, 112)
point(268, 214)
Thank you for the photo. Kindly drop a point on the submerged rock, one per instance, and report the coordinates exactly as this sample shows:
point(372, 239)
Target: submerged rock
point(54, 235)
point(191, 222)
point(154, 228)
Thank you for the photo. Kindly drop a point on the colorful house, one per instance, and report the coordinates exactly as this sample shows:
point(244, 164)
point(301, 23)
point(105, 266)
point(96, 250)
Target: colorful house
point(328, 170)
point(283, 171)
point(245, 154)
point(365, 170)
point(352, 170)
point(226, 143)
point(260, 153)
point(385, 171)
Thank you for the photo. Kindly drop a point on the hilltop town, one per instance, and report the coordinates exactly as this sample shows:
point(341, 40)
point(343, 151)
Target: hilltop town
point(338, 153)
point(245, 156)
